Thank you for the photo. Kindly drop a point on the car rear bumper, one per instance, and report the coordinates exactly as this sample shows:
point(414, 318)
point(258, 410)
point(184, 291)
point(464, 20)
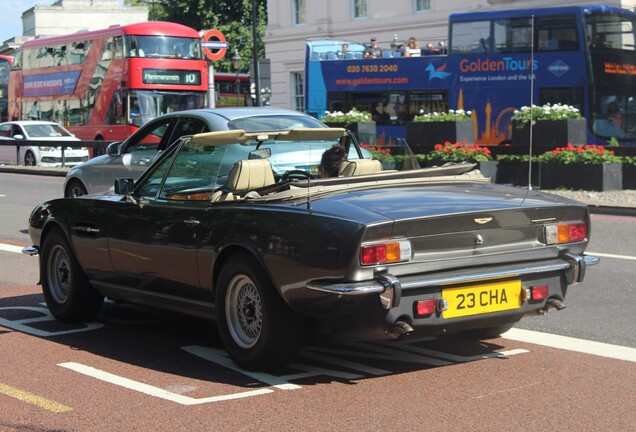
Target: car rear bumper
point(355, 312)
point(572, 266)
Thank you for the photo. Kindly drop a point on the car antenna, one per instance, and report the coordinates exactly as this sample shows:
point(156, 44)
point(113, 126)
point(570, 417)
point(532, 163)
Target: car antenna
point(531, 100)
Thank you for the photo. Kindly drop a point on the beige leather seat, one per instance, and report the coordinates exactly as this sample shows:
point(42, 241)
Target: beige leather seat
point(246, 175)
point(360, 167)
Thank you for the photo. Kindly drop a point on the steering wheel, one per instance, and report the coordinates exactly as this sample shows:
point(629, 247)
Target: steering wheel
point(295, 175)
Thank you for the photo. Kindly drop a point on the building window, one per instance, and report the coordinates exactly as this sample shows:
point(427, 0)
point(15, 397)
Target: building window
point(298, 91)
point(300, 11)
point(422, 5)
point(359, 8)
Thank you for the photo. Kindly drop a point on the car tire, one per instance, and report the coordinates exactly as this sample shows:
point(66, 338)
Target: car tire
point(258, 329)
point(29, 159)
point(67, 291)
point(488, 332)
point(75, 189)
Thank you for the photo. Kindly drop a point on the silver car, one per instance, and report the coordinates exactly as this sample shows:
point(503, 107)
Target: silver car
point(130, 158)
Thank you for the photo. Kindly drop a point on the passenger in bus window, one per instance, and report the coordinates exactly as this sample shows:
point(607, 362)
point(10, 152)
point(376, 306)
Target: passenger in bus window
point(135, 112)
point(614, 115)
point(34, 112)
point(136, 52)
point(379, 114)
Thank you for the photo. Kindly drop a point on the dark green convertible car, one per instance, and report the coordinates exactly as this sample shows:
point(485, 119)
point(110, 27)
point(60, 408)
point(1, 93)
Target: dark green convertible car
point(238, 227)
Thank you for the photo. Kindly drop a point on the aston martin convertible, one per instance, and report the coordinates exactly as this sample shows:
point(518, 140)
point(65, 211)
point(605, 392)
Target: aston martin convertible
point(223, 228)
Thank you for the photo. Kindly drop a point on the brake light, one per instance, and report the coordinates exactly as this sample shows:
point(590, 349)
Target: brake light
point(565, 232)
point(385, 252)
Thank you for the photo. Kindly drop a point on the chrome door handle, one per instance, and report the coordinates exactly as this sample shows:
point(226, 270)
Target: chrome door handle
point(192, 221)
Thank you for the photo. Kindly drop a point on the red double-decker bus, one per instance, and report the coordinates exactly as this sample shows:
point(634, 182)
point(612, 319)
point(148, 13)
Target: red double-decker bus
point(226, 92)
point(5, 66)
point(104, 84)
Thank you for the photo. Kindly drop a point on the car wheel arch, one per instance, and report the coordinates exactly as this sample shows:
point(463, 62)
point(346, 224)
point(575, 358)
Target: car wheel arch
point(226, 253)
point(73, 181)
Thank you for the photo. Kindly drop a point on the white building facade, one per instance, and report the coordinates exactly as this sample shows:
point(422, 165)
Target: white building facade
point(70, 16)
point(292, 22)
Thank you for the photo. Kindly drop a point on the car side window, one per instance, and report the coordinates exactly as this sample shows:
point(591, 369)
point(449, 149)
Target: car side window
point(187, 126)
point(150, 138)
point(5, 131)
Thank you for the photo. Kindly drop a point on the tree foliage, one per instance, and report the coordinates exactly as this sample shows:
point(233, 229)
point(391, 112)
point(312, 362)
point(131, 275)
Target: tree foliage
point(232, 17)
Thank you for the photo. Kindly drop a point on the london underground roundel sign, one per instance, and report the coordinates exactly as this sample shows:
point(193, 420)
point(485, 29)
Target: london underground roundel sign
point(214, 45)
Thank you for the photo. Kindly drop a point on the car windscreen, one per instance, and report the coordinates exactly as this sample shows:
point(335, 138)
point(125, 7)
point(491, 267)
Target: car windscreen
point(273, 122)
point(45, 131)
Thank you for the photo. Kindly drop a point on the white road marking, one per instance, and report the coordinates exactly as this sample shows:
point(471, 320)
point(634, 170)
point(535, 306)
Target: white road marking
point(23, 325)
point(604, 255)
point(572, 344)
point(156, 391)
point(457, 358)
point(220, 357)
point(11, 248)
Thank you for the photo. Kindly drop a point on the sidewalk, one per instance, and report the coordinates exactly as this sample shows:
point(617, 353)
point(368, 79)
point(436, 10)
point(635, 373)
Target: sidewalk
point(621, 202)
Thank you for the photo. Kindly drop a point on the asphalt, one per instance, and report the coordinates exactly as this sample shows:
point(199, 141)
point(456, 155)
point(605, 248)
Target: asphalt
point(617, 202)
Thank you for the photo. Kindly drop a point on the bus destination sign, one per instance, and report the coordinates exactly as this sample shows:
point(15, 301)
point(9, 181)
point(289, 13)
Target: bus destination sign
point(171, 76)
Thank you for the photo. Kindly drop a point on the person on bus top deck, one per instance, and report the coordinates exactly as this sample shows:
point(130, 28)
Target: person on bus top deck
point(373, 50)
point(331, 160)
point(344, 50)
point(412, 48)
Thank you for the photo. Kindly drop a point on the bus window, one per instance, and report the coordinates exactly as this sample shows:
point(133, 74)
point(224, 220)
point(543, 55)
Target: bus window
point(557, 33)
point(572, 96)
point(610, 32)
point(466, 37)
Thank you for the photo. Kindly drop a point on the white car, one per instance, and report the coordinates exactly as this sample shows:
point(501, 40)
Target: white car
point(45, 155)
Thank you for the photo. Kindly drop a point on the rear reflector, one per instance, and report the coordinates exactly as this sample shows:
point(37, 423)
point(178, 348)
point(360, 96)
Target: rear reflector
point(425, 307)
point(539, 292)
point(565, 232)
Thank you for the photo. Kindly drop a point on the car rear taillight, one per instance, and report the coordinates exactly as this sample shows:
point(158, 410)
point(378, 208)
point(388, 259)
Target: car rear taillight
point(390, 251)
point(565, 232)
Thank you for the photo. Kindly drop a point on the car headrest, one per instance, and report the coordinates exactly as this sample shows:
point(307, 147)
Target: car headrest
point(250, 174)
point(360, 167)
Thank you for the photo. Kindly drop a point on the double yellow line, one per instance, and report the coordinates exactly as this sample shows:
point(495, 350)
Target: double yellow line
point(33, 399)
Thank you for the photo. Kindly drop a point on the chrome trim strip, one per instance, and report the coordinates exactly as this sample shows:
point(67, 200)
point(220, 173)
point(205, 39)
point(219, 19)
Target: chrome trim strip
point(86, 229)
point(377, 287)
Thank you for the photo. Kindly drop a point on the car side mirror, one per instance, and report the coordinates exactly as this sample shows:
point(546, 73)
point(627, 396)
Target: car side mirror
point(113, 149)
point(18, 136)
point(124, 186)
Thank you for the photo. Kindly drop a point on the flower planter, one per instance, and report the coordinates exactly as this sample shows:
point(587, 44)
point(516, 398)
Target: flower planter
point(629, 176)
point(593, 177)
point(551, 133)
point(364, 131)
point(516, 173)
point(422, 135)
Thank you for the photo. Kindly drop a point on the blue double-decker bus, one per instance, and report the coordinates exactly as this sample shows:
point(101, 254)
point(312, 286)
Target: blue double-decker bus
point(497, 62)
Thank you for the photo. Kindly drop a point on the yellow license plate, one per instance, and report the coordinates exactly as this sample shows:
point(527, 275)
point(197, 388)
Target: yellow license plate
point(482, 299)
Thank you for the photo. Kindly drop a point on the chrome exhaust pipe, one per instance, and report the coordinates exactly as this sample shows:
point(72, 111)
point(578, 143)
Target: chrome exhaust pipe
point(399, 329)
point(551, 304)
